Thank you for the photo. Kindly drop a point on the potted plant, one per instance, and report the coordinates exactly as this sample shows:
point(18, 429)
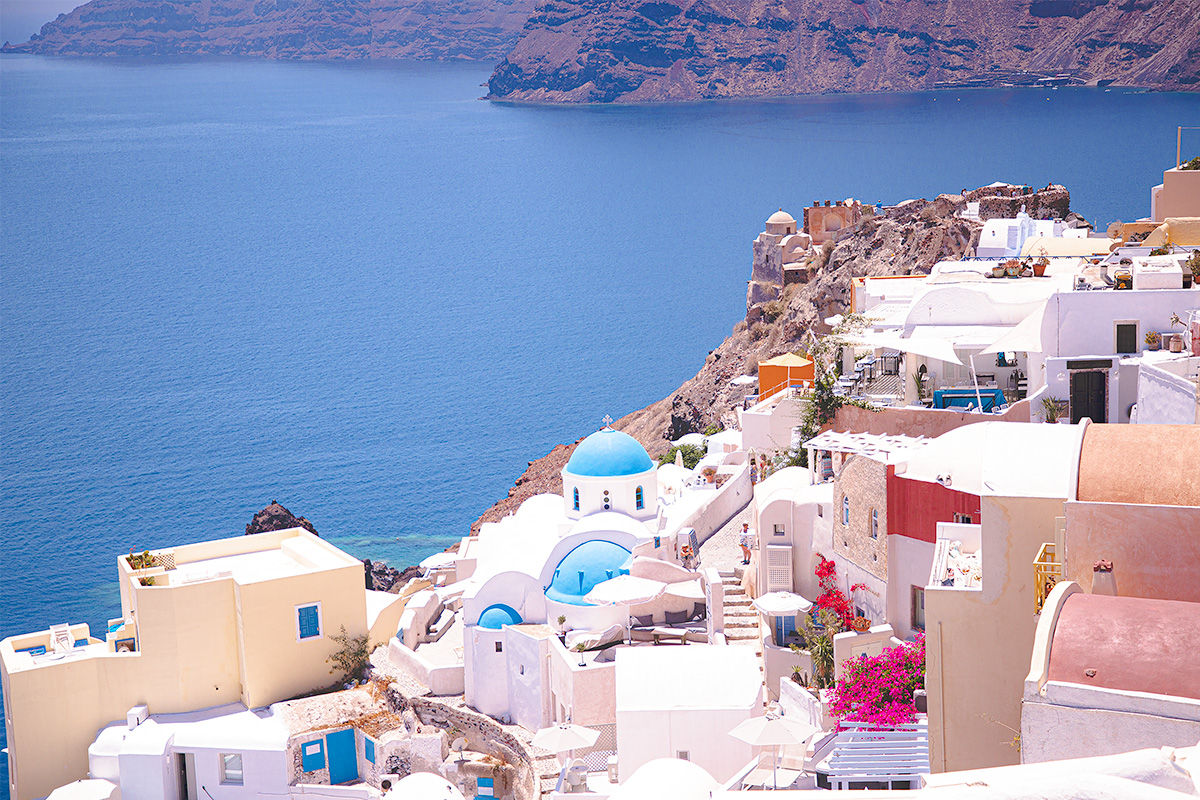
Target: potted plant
point(1153, 340)
point(1191, 274)
point(998, 271)
point(861, 624)
point(709, 473)
point(1039, 266)
point(1051, 409)
point(1012, 267)
point(562, 623)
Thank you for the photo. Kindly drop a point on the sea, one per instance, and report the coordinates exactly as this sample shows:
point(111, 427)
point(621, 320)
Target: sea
point(363, 291)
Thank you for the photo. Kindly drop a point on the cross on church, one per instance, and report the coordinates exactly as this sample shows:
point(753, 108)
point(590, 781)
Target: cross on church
point(607, 420)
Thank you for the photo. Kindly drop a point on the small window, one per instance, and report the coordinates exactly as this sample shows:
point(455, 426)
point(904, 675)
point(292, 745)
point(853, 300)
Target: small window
point(312, 755)
point(683, 755)
point(369, 749)
point(499, 647)
point(845, 510)
point(576, 498)
point(780, 530)
point(231, 768)
point(640, 497)
point(874, 523)
point(308, 622)
point(965, 519)
point(918, 608)
point(1127, 341)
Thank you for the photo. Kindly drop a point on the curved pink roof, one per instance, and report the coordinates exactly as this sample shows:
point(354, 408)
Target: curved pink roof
point(1129, 644)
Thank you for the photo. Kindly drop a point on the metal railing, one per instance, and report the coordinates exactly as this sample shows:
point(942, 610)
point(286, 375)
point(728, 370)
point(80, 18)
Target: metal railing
point(1047, 571)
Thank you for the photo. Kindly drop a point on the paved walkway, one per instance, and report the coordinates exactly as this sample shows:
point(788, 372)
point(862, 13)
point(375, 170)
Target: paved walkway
point(721, 550)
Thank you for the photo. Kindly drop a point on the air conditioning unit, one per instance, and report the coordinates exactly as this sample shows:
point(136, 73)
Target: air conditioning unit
point(136, 716)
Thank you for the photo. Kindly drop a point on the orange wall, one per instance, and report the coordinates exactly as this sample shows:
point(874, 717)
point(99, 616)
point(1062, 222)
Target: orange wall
point(1148, 545)
point(773, 378)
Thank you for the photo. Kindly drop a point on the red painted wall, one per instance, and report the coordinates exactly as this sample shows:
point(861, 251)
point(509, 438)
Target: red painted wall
point(914, 508)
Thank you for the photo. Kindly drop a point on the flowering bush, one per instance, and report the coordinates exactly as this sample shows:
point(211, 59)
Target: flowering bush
point(831, 597)
point(879, 690)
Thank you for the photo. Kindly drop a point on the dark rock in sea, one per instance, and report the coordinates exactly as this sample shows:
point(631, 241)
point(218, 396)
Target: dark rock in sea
point(382, 578)
point(277, 518)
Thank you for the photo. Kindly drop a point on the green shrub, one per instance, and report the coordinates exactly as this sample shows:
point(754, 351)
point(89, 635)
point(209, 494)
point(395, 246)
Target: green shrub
point(691, 455)
point(1193, 164)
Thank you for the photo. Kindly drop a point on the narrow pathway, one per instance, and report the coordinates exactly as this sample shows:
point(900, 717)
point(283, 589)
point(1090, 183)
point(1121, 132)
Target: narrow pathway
point(721, 552)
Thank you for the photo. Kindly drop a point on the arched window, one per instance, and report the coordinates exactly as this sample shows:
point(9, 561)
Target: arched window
point(845, 510)
point(576, 498)
point(640, 497)
point(874, 523)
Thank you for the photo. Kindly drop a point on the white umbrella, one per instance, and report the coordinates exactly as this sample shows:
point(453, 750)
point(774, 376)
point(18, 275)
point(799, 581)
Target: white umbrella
point(762, 731)
point(439, 560)
point(679, 458)
point(90, 789)
point(1025, 337)
point(688, 590)
point(625, 590)
point(565, 737)
point(782, 604)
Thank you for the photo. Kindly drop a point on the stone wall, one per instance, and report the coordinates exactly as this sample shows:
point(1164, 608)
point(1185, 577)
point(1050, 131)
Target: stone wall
point(508, 759)
point(864, 481)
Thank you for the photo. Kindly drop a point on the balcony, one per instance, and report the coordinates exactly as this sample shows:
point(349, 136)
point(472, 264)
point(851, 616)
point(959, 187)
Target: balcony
point(1047, 571)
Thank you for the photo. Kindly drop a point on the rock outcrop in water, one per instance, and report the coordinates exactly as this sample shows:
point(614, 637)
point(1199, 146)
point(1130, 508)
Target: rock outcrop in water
point(277, 518)
point(308, 29)
point(600, 51)
point(908, 238)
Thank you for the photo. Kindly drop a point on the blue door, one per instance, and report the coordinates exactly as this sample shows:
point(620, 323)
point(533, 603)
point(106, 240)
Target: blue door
point(343, 763)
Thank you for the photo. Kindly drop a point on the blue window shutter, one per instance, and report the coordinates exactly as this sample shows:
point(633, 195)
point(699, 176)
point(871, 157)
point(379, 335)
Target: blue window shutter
point(312, 755)
point(369, 749)
point(641, 499)
point(576, 499)
point(310, 624)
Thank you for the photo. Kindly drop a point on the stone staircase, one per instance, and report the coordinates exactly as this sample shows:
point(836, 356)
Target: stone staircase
point(741, 620)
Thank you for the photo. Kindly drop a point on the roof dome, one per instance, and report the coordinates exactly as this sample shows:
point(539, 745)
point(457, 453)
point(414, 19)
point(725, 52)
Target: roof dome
point(608, 453)
point(424, 786)
point(581, 569)
point(781, 217)
point(497, 616)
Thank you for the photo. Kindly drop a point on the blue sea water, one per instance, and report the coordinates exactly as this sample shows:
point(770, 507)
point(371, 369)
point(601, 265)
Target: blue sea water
point(362, 291)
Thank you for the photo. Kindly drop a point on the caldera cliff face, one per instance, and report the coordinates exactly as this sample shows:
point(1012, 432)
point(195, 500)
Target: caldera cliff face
point(591, 51)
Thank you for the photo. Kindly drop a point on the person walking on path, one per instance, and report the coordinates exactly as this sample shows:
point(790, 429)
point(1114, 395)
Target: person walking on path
point(745, 541)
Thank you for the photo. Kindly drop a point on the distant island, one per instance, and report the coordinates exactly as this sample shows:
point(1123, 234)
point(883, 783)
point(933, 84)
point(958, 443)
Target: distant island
point(626, 51)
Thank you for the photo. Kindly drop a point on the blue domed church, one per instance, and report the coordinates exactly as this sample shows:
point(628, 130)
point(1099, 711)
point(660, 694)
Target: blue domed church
point(538, 565)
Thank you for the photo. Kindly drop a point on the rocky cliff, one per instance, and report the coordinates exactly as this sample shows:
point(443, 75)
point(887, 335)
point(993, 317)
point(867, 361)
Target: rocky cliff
point(313, 29)
point(902, 240)
point(593, 51)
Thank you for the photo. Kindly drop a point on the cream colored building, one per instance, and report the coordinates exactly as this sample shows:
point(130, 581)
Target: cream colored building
point(979, 632)
point(244, 619)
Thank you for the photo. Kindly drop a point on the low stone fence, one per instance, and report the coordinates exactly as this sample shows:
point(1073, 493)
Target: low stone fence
point(508, 762)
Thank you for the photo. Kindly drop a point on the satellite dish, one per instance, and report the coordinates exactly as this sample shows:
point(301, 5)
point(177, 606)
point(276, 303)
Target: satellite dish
point(1114, 230)
point(458, 745)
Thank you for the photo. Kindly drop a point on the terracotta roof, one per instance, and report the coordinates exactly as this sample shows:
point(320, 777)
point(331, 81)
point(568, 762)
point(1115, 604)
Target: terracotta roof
point(1143, 464)
point(1128, 643)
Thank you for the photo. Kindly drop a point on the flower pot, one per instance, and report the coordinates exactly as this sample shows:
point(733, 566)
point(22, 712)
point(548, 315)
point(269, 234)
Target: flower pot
point(861, 624)
point(997, 271)
point(1175, 343)
point(1039, 270)
point(1155, 345)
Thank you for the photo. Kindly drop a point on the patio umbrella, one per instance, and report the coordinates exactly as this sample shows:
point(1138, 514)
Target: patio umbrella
point(679, 458)
point(625, 590)
point(91, 789)
point(438, 560)
point(565, 737)
point(782, 604)
point(763, 731)
point(688, 590)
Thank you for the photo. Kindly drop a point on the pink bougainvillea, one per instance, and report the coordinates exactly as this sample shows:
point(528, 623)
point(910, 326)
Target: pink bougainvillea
point(879, 689)
point(831, 597)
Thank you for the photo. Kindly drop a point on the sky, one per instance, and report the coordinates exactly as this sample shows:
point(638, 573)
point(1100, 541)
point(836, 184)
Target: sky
point(20, 19)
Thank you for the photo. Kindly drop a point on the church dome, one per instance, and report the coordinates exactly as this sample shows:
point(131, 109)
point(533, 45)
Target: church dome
point(608, 453)
point(587, 565)
point(781, 217)
point(497, 616)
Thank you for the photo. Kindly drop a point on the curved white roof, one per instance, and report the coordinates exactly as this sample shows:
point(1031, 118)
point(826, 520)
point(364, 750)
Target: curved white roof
point(1001, 459)
point(781, 217)
point(424, 786)
point(667, 777)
